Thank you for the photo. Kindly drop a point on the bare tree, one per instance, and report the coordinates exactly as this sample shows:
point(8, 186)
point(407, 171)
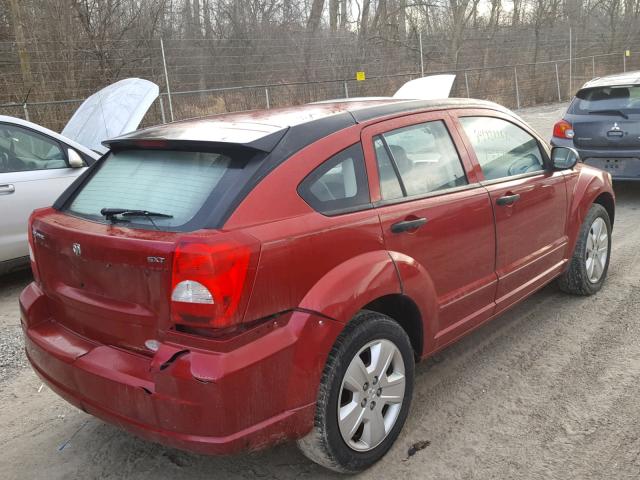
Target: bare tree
point(315, 15)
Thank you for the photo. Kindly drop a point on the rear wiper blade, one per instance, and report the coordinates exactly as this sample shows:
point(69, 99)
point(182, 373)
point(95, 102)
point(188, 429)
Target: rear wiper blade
point(109, 213)
point(611, 112)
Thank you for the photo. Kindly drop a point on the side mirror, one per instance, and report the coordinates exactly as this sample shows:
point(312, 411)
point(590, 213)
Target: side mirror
point(75, 160)
point(564, 158)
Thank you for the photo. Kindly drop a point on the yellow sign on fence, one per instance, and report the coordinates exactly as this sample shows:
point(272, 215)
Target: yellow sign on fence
point(627, 53)
point(360, 76)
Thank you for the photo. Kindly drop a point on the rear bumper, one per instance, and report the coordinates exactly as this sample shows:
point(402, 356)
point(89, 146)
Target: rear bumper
point(620, 168)
point(207, 402)
point(621, 164)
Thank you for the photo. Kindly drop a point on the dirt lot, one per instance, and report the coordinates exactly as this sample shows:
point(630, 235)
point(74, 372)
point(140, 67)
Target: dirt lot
point(550, 390)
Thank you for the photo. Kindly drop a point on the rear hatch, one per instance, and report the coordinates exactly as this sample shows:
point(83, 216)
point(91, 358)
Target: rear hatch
point(109, 277)
point(606, 118)
point(100, 281)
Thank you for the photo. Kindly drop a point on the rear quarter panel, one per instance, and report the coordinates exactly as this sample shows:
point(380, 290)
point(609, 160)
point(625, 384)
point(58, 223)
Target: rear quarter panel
point(333, 265)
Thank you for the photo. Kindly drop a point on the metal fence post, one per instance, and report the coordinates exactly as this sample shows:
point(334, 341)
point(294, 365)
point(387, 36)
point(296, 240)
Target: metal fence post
point(593, 66)
point(421, 56)
point(164, 118)
point(26, 111)
point(266, 96)
point(624, 61)
point(466, 84)
point(346, 90)
point(558, 84)
point(166, 79)
point(570, 61)
point(515, 74)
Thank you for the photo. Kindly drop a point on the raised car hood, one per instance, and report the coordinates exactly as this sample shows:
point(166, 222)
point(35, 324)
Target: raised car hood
point(114, 110)
point(433, 87)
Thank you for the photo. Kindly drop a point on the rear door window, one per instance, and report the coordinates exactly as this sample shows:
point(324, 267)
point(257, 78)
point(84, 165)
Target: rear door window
point(174, 183)
point(390, 187)
point(339, 185)
point(502, 148)
point(417, 160)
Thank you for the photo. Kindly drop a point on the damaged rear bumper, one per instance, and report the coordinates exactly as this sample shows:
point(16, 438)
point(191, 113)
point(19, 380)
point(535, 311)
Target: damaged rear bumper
point(260, 393)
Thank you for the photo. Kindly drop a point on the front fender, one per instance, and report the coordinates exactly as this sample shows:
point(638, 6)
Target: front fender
point(345, 289)
point(584, 185)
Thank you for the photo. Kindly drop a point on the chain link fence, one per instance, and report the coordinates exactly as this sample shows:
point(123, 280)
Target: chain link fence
point(515, 86)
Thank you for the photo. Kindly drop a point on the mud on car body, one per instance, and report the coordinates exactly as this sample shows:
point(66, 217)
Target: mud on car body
point(224, 284)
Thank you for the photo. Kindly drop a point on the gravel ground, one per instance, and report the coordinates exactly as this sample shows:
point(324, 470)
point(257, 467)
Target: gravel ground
point(548, 390)
point(11, 352)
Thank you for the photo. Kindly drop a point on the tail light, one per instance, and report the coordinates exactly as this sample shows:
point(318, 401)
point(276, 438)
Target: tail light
point(32, 246)
point(211, 281)
point(563, 129)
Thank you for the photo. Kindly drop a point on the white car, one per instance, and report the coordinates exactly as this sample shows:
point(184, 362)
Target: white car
point(38, 164)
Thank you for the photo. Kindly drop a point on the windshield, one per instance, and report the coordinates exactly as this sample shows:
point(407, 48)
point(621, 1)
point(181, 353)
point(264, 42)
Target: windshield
point(175, 184)
point(622, 100)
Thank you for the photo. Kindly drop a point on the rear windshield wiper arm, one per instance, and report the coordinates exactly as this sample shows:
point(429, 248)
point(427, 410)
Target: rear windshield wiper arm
point(110, 214)
point(611, 112)
point(126, 212)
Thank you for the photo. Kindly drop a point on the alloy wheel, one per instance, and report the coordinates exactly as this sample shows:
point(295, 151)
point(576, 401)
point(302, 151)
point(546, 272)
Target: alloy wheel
point(597, 250)
point(371, 395)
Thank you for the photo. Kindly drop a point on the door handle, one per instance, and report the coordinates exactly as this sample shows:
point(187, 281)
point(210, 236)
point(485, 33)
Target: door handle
point(508, 199)
point(408, 225)
point(7, 189)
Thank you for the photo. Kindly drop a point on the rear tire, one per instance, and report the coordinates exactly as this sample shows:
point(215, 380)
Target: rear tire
point(364, 395)
point(590, 262)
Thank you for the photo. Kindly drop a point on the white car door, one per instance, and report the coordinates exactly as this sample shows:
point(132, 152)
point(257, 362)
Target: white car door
point(34, 171)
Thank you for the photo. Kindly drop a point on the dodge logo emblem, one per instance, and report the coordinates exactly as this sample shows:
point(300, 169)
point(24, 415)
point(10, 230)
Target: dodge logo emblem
point(76, 249)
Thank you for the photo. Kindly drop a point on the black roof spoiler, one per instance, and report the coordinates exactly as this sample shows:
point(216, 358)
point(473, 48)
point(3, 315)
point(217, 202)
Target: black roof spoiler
point(265, 143)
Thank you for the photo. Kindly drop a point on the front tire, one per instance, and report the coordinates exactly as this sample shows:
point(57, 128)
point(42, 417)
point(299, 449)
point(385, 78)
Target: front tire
point(364, 395)
point(590, 262)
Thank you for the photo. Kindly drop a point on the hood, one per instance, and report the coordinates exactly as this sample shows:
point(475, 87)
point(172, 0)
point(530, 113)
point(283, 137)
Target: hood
point(114, 110)
point(433, 87)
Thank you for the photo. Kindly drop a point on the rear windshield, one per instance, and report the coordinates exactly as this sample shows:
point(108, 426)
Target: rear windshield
point(174, 184)
point(596, 100)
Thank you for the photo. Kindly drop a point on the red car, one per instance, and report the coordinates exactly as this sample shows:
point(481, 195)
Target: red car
point(224, 284)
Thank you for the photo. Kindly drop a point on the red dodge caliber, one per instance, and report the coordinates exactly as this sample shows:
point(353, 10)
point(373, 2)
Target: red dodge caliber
point(223, 284)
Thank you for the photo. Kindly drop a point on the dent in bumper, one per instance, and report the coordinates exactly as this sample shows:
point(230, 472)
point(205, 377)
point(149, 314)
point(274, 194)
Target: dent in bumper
point(209, 402)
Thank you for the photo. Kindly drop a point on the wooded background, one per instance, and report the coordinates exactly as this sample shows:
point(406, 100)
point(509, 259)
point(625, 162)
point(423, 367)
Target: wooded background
point(305, 50)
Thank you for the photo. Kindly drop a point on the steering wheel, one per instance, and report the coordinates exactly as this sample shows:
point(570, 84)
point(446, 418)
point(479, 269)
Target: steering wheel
point(9, 162)
point(528, 163)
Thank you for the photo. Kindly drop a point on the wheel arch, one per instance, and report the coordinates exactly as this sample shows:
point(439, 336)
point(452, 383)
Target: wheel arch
point(382, 281)
point(606, 200)
point(587, 188)
point(344, 290)
point(404, 311)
